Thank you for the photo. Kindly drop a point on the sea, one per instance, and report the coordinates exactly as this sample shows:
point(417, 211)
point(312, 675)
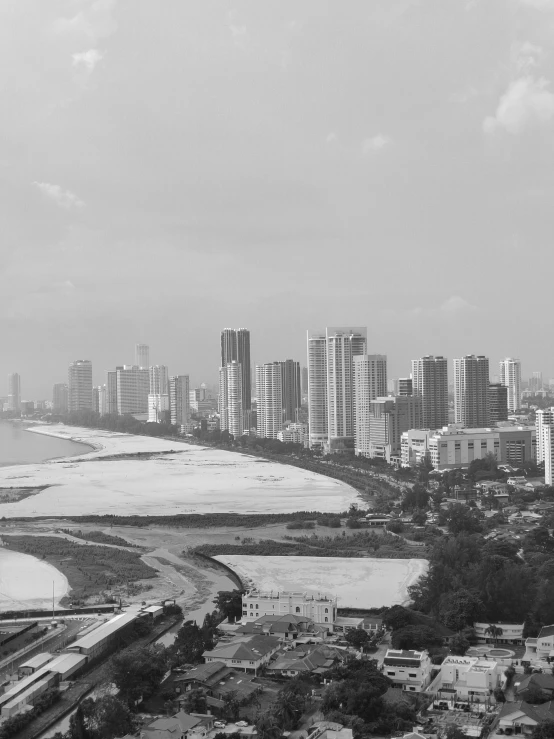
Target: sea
point(18, 446)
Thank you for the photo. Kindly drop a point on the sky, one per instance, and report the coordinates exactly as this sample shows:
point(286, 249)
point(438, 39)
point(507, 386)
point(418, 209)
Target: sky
point(171, 169)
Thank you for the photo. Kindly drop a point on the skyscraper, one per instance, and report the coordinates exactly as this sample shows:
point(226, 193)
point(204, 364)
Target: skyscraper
point(370, 382)
point(179, 400)
point(535, 382)
point(235, 347)
point(304, 381)
point(543, 418)
point(547, 444)
point(389, 418)
point(79, 385)
point(510, 376)
point(59, 398)
point(269, 395)
point(471, 391)
point(405, 386)
point(430, 383)
point(14, 392)
point(290, 389)
point(142, 356)
point(159, 375)
point(111, 391)
point(133, 386)
point(498, 403)
point(317, 388)
point(231, 409)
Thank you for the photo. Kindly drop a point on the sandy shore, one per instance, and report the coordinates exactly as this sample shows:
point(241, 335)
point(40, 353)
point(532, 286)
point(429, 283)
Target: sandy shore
point(26, 582)
point(357, 582)
point(193, 480)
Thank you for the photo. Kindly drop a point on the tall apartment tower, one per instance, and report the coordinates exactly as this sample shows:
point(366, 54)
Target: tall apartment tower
point(405, 386)
point(235, 347)
point(269, 394)
point(142, 356)
point(389, 418)
point(317, 388)
point(231, 410)
point(547, 444)
point(370, 382)
point(179, 400)
point(133, 386)
point(535, 382)
point(543, 418)
point(111, 391)
point(304, 381)
point(159, 379)
point(14, 392)
point(471, 391)
point(79, 385)
point(510, 376)
point(291, 389)
point(430, 383)
point(59, 399)
point(498, 403)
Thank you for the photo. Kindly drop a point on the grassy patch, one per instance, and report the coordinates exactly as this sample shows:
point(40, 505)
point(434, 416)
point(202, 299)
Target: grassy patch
point(13, 495)
point(99, 536)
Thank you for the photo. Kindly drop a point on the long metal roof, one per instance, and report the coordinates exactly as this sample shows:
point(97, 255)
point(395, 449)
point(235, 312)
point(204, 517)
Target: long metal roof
point(104, 631)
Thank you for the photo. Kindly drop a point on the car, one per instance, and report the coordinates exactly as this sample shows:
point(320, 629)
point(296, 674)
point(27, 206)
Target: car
point(242, 724)
point(220, 724)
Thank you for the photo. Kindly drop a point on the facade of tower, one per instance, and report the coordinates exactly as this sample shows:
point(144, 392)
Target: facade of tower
point(79, 385)
point(14, 392)
point(405, 386)
point(389, 418)
point(269, 395)
point(235, 347)
point(535, 382)
point(370, 382)
point(543, 418)
point(291, 390)
point(498, 403)
point(231, 411)
point(547, 444)
point(317, 389)
point(471, 391)
point(179, 400)
point(510, 376)
point(142, 356)
point(304, 381)
point(111, 391)
point(59, 399)
point(133, 386)
point(159, 379)
point(430, 383)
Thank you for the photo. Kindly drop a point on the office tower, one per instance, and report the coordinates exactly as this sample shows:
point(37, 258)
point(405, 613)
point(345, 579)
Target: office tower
point(543, 418)
point(370, 382)
point(317, 388)
point(79, 385)
point(430, 383)
point(133, 386)
point(102, 399)
point(498, 403)
point(111, 391)
point(405, 386)
point(471, 391)
point(14, 392)
point(290, 389)
point(304, 381)
point(142, 356)
point(235, 347)
point(159, 378)
point(547, 445)
point(59, 399)
point(95, 400)
point(510, 376)
point(389, 418)
point(392, 386)
point(231, 408)
point(535, 382)
point(179, 402)
point(269, 396)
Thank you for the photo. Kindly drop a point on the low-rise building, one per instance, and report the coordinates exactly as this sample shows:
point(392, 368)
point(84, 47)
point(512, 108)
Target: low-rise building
point(104, 636)
point(466, 678)
point(287, 627)
point(216, 679)
point(248, 654)
point(294, 433)
point(33, 664)
point(407, 669)
point(526, 686)
point(305, 661)
point(454, 447)
point(498, 632)
point(179, 726)
point(542, 647)
point(521, 718)
point(414, 446)
point(319, 607)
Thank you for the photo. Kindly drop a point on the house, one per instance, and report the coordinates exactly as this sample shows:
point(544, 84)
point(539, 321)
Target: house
point(521, 717)
point(503, 634)
point(543, 645)
point(407, 669)
point(303, 661)
point(217, 680)
point(153, 612)
point(525, 685)
point(467, 678)
point(180, 726)
point(329, 730)
point(286, 627)
point(247, 655)
point(376, 520)
point(319, 607)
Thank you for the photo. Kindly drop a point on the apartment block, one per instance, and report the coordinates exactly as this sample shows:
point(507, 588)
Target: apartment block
point(142, 356)
point(235, 347)
point(370, 382)
point(179, 400)
point(60, 398)
point(510, 376)
point(471, 391)
point(79, 384)
point(498, 403)
point(544, 417)
point(231, 407)
point(14, 392)
point(389, 418)
point(430, 383)
point(133, 387)
point(455, 447)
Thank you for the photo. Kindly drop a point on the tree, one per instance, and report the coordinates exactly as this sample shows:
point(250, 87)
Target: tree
point(357, 638)
point(459, 608)
point(231, 706)
point(195, 701)
point(229, 604)
point(189, 643)
point(499, 695)
point(454, 732)
point(105, 718)
point(544, 730)
point(415, 637)
point(77, 726)
point(459, 645)
point(138, 671)
point(267, 726)
point(461, 519)
point(494, 631)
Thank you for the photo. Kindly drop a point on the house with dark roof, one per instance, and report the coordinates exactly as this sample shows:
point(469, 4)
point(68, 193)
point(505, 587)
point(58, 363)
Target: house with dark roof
point(216, 679)
point(248, 654)
point(543, 645)
point(286, 627)
point(526, 685)
point(305, 661)
point(521, 717)
point(180, 726)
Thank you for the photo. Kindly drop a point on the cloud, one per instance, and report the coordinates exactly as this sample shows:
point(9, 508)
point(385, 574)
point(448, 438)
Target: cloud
point(456, 304)
point(331, 138)
point(375, 143)
point(87, 59)
point(63, 198)
point(526, 56)
point(527, 102)
point(96, 21)
point(539, 4)
point(239, 33)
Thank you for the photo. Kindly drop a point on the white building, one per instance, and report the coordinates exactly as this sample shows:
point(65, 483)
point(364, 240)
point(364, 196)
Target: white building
point(467, 678)
point(430, 383)
point(230, 399)
point(453, 447)
point(317, 388)
point(79, 384)
point(14, 392)
point(100, 399)
point(159, 379)
point(504, 633)
point(179, 400)
point(510, 376)
point(414, 446)
point(294, 433)
point(370, 382)
point(269, 396)
point(142, 356)
point(133, 387)
point(321, 608)
point(471, 391)
point(408, 669)
point(544, 417)
point(547, 442)
point(389, 418)
point(158, 406)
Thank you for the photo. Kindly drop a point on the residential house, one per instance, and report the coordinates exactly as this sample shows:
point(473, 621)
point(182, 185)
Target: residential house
point(526, 685)
point(407, 669)
point(180, 726)
point(503, 633)
point(329, 730)
point(543, 645)
point(304, 661)
point(248, 654)
point(521, 717)
point(217, 680)
point(287, 627)
point(466, 678)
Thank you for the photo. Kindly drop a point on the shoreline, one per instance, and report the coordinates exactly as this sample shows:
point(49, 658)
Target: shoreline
point(34, 427)
point(29, 571)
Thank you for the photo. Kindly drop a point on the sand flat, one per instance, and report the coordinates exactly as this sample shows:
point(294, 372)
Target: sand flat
point(358, 582)
point(26, 582)
point(193, 480)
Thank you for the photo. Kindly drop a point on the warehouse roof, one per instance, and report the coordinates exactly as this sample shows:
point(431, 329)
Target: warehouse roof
point(65, 662)
point(39, 660)
point(104, 631)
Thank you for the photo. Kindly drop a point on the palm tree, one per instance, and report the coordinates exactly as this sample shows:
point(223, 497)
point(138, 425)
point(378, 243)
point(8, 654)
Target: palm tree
point(495, 632)
point(267, 727)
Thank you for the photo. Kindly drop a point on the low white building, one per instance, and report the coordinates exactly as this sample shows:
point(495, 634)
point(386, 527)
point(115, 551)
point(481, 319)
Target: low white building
point(543, 645)
point(248, 654)
point(408, 669)
point(414, 446)
point(503, 634)
point(294, 433)
point(319, 607)
point(466, 678)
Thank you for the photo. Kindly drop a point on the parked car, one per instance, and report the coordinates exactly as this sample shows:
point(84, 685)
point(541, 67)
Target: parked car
point(242, 724)
point(220, 724)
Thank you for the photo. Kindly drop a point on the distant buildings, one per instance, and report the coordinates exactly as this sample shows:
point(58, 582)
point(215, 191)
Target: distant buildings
point(179, 400)
point(498, 403)
point(231, 409)
point(79, 384)
point(510, 376)
point(535, 382)
point(14, 392)
point(320, 608)
point(370, 382)
point(133, 387)
point(452, 446)
point(543, 418)
point(294, 433)
point(304, 381)
point(60, 398)
point(471, 391)
point(291, 391)
point(111, 391)
point(430, 383)
point(278, 396)
point(389, 418)
point(405, 386)
point(158, 397)
point(158, 376)
point(142, 356)
point(547, 444)
point(235, 347)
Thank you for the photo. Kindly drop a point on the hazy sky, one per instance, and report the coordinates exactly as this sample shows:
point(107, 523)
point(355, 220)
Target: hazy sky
point(171, 168)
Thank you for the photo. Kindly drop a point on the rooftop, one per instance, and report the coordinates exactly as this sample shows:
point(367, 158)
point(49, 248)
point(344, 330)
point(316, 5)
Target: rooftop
point(104, 631)
point(252, 650)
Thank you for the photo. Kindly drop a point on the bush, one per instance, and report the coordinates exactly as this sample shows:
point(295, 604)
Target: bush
point(301, 525)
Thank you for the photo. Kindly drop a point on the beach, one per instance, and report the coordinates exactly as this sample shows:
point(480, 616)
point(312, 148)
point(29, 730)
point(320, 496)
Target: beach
point(26, 582)
point(190, 479)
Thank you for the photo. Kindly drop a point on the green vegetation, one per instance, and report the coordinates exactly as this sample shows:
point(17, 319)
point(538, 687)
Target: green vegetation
point(99, 537)
point(16, 723)
point(104, 718)
point(137, 672)
point(91, 570)
point(229, 604)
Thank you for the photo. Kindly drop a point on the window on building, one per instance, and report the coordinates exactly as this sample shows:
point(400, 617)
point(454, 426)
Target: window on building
point(411, 687)
point(391, 673)
point(326, 610)
point(326, 619)
point(412, 674)
point(251, 606)
point(297, 609)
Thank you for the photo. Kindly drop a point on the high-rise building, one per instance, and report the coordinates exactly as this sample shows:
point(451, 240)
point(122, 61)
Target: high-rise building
point(95, 400)
point(304, 381)
point(158, 407)
point(498, 403)
point(231, 408)
point(235, 347)
point(547, 444)
point(510, 376)
point(471, 391)
point(405, 386)
point(59, 399)
point(14, 392)
point(543, 418)
point(159, 379)
point(79, 385)
point(269, 396)
point(142, 356)
point(133, 386)
point(317, 388)
point(179, 400)
point(102, 399)
point(111, 391)
point(535, 382)
point(291, 392)
point(430, 383)
point(389, 418)
point(370, 382)
point(392, 386)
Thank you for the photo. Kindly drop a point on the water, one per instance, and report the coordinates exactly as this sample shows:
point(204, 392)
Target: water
point(18, 446)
